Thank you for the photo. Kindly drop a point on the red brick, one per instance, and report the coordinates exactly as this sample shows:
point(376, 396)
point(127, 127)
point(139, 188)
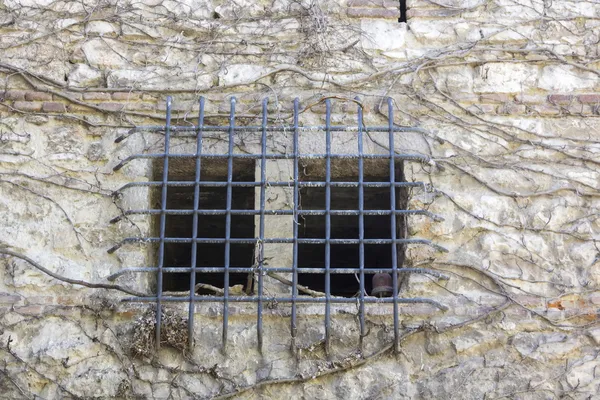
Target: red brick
point(373, 3)
point(111, 106)
point(54, 107)
point(17, 95)
point(372, 13)
point(27, 106)
point(125, 96)
point(38, 96)
point(560, 98)
point(96, 96)
point(589, 98)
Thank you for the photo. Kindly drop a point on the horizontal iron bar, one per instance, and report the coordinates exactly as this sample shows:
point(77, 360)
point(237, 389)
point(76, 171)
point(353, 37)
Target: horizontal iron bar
point(406, 157)
point(429, 214)
point(266, 270)
point(256, 128)
point(299, 299)
point(289, 184)
point(275, 240)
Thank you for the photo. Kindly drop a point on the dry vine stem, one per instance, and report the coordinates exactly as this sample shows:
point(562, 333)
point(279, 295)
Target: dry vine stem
point(503, 96)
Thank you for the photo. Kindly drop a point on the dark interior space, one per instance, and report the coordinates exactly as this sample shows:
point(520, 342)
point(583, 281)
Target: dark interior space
point(346, 227)
point(209, 226)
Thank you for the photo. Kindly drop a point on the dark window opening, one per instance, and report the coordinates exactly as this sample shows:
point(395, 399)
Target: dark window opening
point(209, 226)
point(347, 226)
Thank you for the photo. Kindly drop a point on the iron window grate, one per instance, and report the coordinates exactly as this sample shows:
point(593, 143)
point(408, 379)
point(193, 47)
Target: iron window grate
point(260, 268)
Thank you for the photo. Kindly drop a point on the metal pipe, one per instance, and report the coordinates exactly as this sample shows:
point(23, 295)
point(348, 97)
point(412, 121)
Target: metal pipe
point(195, 215)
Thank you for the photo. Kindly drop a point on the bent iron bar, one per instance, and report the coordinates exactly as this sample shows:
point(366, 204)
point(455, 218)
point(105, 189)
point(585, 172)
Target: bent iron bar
point(260, 268)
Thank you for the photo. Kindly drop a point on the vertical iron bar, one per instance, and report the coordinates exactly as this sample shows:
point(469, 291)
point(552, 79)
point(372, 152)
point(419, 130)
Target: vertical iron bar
point(361, 225)
point(194, 257)
point(296, 222)
point(403, 17)
point(261, 233)
point(228, 225)
point(393, 222)
point(327, 224)
point(163, 223)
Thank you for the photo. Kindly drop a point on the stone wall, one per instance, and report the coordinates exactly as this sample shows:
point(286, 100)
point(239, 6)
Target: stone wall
point(505, 94)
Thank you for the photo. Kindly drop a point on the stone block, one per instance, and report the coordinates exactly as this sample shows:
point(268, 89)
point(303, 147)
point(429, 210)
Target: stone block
point(159, 78)
point(499, 77)
point(102, 53)
point(101, 28)
point(382, 35)
point(373, 13)
point(433, 32)
point(594, 334)
point(239, 73)
point(566, 78)
point(82, 75)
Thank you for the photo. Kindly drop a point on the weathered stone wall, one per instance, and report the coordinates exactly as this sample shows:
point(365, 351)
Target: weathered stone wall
point(507, 96)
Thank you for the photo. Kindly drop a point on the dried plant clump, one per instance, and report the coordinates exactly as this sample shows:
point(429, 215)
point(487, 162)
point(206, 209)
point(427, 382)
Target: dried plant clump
point(173, 333)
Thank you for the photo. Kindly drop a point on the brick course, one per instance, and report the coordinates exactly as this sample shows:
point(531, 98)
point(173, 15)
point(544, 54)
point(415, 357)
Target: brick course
point(38, 96)
point(54, 107)
point(27, 106)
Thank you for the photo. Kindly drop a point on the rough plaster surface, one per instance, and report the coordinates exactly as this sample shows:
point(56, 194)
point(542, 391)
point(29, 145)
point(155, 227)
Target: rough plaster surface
point(505, 93)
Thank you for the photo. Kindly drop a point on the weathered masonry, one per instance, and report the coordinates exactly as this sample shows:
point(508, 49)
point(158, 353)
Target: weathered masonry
point(353, 199)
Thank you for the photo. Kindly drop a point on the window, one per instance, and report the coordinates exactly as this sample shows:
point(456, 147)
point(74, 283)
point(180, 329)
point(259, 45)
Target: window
point(331, 217)
point(211, 225)
point(376, 201)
